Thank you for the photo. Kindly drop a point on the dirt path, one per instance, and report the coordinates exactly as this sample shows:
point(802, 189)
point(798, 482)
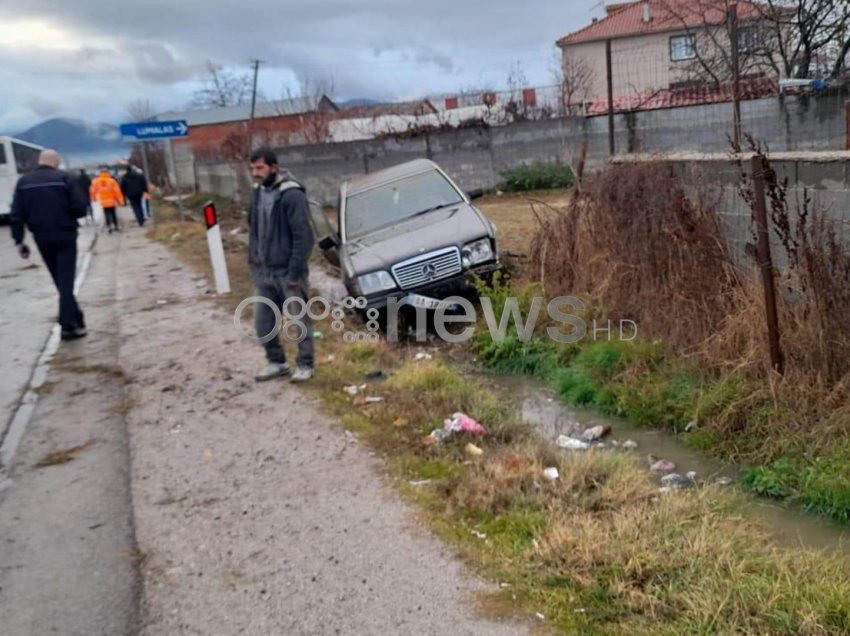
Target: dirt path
point(256, 513)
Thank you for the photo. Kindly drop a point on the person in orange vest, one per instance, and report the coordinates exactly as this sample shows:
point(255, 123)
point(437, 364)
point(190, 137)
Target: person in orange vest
point(106, 191)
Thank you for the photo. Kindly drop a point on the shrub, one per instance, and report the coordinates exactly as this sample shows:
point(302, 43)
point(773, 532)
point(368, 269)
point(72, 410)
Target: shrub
point(537, 176)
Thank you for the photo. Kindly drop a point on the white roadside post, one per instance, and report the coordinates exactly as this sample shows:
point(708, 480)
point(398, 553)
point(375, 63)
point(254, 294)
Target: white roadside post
point(219, 264)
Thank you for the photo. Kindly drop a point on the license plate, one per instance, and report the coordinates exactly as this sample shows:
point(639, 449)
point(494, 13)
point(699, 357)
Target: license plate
point(416, 300)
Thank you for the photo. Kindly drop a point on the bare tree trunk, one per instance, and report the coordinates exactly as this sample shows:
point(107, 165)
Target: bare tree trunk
point(842, 54)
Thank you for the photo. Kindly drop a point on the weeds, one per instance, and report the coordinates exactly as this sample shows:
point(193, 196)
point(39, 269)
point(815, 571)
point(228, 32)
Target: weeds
point(635, 245)
point(598, 551)
point(537, 176)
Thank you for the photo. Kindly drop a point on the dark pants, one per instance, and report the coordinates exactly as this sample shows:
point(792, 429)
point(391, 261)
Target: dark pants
point(275, 289)
point(60, 255)
point(111, 218)
point(138, 210)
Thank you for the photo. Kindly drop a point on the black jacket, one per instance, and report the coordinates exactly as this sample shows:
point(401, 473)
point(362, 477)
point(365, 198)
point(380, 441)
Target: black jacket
point(84, 185)
point(133, 184)
point(290, 235)
point(48, 202)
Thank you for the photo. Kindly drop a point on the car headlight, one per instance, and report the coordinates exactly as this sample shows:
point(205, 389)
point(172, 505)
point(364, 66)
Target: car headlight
point(375, 282)
point(477, 252)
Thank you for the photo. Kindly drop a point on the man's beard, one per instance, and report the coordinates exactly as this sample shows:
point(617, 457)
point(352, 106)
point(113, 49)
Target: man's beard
point(270, 180)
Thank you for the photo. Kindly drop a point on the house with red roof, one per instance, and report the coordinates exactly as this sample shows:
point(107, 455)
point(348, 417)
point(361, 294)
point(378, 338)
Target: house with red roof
point(667, 53)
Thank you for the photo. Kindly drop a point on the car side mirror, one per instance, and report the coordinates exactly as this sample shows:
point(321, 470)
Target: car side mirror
point(475, 194)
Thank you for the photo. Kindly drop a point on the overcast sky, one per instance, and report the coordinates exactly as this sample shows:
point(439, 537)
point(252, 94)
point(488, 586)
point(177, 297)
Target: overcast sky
point(89, 59)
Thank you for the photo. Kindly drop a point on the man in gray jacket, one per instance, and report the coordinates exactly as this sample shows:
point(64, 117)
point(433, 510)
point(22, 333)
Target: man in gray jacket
point(280, 243)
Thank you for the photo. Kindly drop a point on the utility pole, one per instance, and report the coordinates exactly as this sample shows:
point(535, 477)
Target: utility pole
point(256, 64)
point(765, 262)
point(610, 78)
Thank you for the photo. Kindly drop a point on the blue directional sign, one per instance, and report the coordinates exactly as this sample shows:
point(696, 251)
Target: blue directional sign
point(153, 130)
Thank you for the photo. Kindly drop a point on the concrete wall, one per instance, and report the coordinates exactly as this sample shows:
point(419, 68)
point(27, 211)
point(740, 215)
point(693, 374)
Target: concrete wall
point(475, 157)
point(822, 178)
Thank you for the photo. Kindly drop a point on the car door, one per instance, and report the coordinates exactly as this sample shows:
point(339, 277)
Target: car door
point(327, 238)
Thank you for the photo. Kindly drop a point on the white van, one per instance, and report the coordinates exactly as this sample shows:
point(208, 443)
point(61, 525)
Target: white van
point(17, 158)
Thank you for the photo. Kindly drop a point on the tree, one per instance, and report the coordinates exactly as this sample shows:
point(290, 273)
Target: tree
point(314, 126)
point(575, 81)
point(222, 88)
point(139, 111)
point(807, 29)
point(713, 26)
point(786, 37)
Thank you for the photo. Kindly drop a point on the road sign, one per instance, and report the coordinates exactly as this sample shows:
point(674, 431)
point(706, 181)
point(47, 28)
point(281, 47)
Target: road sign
point(152, 130)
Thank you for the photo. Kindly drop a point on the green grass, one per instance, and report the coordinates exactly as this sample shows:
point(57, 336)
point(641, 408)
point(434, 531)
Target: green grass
point(598, 551)
point(645, 383)
point(537, 176)
point(821, 485)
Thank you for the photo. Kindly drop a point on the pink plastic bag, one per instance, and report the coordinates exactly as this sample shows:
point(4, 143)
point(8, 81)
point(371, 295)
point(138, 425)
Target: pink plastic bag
point(466, 424)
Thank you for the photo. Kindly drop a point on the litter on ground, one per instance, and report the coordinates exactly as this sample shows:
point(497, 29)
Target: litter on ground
point(570, 443)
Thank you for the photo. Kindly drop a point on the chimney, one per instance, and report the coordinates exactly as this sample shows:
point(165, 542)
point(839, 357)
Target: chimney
point(647, 16)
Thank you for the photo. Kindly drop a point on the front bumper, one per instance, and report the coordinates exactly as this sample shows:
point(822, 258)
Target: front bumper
point(454, 286)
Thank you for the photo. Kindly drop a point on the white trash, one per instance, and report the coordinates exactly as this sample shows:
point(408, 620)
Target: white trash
point(570, 443)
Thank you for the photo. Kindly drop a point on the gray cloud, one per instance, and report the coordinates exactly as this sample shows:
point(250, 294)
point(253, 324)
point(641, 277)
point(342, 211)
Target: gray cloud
point(371, 48)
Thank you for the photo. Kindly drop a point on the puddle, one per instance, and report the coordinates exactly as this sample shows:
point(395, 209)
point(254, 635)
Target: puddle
point(552, 418)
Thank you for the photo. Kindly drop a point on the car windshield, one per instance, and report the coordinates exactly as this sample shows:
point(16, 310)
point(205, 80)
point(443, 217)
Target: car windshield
point(396, 201)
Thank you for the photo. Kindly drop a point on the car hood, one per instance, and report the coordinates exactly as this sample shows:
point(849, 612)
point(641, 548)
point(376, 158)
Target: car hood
point(453, 225)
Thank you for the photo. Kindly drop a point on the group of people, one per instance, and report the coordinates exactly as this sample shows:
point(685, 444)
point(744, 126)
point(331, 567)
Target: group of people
point(106, 191)
point(49, 203)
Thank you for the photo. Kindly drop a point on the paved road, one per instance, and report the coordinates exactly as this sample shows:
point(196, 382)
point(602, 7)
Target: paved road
point(27, 312)
point(67, 544)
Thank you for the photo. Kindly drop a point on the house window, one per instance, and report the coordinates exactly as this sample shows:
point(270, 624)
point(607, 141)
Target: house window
point(748, 39)
point(683, 47)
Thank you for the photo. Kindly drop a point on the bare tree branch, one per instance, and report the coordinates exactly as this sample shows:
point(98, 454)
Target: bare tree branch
point(222, 88)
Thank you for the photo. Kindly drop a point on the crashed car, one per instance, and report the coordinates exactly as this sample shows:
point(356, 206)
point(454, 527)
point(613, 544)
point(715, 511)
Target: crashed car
point(409, 233)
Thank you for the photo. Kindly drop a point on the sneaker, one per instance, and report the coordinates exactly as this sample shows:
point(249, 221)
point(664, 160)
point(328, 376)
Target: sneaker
point(274, 370)
point(74, 333)
point(302, 374)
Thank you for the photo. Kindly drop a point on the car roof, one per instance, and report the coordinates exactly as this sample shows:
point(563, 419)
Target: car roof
point(387, 175)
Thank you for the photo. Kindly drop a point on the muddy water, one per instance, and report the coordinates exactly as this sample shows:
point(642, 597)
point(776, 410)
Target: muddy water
point(551, 418)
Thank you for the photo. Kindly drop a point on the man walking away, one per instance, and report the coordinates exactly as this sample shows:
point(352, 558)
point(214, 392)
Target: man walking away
point(49, 203)
point(134, 185)
point(84, 187)
point(106, 191)
point(279, 246)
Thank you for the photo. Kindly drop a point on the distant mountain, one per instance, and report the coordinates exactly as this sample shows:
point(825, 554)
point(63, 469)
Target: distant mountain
point(78, 142)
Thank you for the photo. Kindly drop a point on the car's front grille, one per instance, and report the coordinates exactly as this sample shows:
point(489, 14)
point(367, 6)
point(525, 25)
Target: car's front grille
point(427, 268)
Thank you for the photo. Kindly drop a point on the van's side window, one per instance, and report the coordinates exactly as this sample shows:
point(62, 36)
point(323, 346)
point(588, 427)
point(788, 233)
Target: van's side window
point(26, 158)
point(2, 154)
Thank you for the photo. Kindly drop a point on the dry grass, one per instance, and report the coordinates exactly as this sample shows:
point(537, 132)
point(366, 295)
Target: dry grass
point(597, 552)
point(518, 218)
point(637, 247)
